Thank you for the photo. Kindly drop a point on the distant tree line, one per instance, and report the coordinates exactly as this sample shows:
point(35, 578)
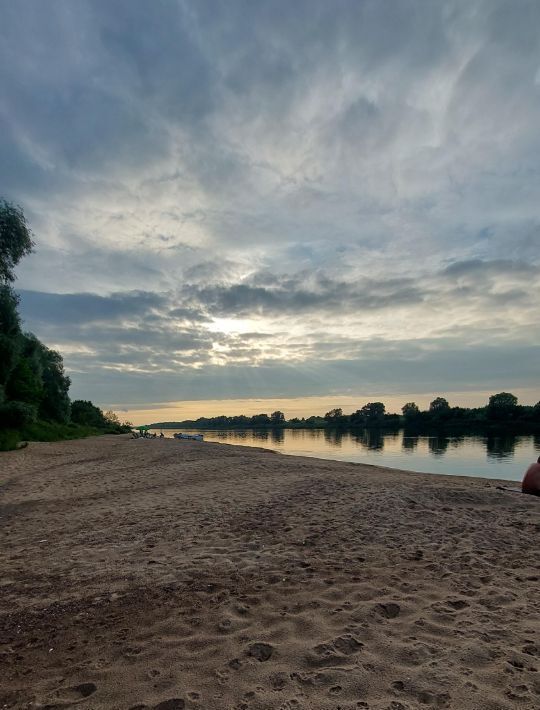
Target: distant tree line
point(33, 385)
point(502, 410)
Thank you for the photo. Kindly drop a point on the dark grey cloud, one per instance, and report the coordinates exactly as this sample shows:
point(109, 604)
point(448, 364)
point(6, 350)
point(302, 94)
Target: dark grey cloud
point(478, 268)
point(420, 371)
point(82, 308)
point(160, 333)
point(290, 296)
point(189, 314)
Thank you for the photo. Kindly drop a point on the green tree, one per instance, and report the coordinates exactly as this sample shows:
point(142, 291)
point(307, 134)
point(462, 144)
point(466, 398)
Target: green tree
point(24, 383)
point(260, 420)
point(334, 416)
point(439, 405)
point(55, 405)
point(112, 418)
point(10, 329)
point(439, 410)
point(277, 418)
point(502, 406)
point(410, 411)
point(15, 239)
point(373, 413)
point(85, 413)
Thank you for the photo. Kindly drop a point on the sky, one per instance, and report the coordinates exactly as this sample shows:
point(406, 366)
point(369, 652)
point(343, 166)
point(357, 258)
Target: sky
point(239, 205)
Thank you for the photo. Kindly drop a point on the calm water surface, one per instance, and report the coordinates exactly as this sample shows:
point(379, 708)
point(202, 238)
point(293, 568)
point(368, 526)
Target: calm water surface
point(490, 457)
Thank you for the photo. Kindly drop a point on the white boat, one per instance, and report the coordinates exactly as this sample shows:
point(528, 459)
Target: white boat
point(193, 437)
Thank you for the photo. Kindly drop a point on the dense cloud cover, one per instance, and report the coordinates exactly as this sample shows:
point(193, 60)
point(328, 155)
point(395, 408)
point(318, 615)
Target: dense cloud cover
point(264, 198)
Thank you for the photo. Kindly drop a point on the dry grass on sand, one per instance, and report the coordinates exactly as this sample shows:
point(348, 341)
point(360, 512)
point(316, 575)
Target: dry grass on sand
point(174, 574)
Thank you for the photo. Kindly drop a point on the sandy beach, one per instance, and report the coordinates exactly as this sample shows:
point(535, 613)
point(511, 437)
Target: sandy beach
point(174, 574)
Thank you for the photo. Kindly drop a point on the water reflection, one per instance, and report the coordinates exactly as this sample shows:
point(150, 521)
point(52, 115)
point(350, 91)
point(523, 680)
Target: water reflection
point(374, 440)
point(501, 447)
point(491, 456)
point(409, 443)
point(333, 436)
point(457, 441)
point(438, 445)
point(277, 436)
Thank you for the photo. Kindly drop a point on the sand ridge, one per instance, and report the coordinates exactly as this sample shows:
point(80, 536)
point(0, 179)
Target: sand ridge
point(176, 574)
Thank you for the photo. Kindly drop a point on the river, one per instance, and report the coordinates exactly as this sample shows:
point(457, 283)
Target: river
point(502, 457)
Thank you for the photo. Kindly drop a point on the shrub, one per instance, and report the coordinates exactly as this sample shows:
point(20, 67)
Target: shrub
point(16, 415)
point(9, 439)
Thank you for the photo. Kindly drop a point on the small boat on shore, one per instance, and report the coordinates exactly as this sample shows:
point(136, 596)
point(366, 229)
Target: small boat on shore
point(193, 437)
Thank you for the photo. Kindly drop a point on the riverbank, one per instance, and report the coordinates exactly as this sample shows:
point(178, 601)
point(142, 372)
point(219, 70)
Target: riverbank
point(11, 439)
point(502, 457)
point(176, 574)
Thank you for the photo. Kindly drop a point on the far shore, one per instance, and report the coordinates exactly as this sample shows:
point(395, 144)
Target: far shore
point(178, 575)
point(511, 428)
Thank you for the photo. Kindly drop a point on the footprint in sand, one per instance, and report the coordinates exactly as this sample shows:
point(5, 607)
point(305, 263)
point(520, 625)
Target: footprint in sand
point(171, 704)
point(347, 644)
point(260, 651)
point(457, 604)
point(336, 651)
point(531, 649)
point(335, 690)
point(132, 651)
point(278, 680)
point(389, 610)
point(291, 704)
point(225, 626)
point(76, 692)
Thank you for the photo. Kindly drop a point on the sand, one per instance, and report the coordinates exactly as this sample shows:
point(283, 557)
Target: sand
point(174, 574)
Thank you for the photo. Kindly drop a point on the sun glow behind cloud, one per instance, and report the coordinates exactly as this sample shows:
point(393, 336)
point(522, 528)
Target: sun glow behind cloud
point(233, 326)
point(326, 199)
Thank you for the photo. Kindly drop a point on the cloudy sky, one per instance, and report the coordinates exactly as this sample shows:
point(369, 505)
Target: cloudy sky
point(244, 200)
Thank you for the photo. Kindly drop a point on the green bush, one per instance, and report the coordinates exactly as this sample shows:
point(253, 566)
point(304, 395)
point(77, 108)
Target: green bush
point(85, 413)
point(54, 431)
point(16, 415)
point(9, 439)
point(50, 431)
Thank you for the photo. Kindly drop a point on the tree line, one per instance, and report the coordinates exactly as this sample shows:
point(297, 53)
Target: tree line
point(34, 399)
point(502, 409)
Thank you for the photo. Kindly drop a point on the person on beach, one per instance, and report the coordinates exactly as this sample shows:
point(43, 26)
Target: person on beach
point(531, 482)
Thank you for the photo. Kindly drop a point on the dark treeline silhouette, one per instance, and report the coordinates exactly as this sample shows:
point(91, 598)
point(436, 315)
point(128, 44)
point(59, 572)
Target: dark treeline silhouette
point(501, 411)
point(34, 400)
